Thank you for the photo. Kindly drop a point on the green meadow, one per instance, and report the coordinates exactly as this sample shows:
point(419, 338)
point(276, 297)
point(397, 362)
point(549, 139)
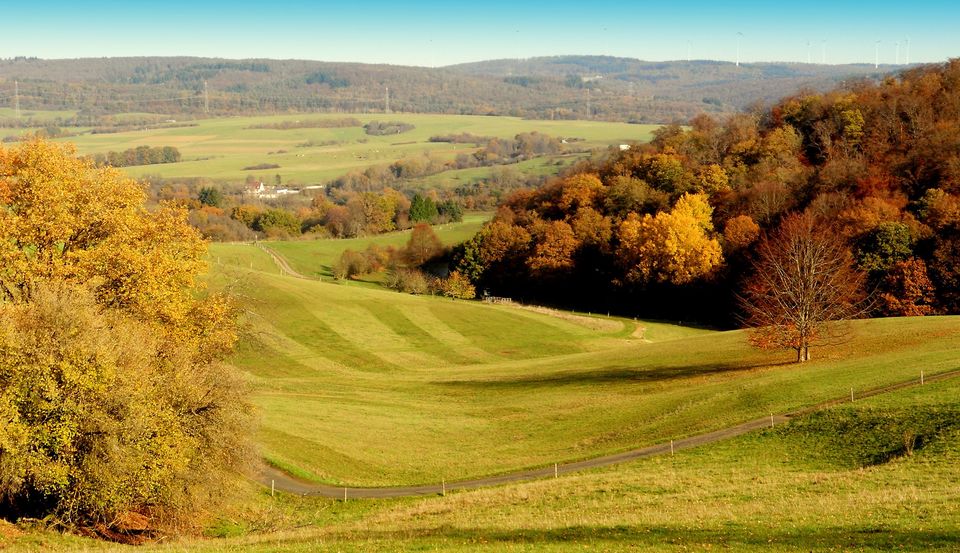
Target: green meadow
point(315, 258)
point(836, 480)
point(361, 386)
point(221, 148)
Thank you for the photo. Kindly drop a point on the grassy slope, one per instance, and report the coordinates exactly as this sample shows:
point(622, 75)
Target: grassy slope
point(315, 258)
point(765, 491)
point(368, 387)
point(221, 148)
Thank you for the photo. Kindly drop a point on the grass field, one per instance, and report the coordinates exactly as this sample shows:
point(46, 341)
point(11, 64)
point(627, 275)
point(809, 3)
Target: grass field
point(38, 116)
point(800, 487)
point(363, 386)
point(221, 148)
point(314, 258)
point(542, 166)
point(366, 387)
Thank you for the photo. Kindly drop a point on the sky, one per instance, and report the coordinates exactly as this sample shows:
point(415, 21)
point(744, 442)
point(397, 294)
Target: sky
point(438, 33)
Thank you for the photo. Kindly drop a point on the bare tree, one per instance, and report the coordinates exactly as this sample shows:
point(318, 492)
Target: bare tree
point(803, 279)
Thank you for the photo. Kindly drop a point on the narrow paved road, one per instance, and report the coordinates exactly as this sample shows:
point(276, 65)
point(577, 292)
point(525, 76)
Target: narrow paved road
point(284, 482)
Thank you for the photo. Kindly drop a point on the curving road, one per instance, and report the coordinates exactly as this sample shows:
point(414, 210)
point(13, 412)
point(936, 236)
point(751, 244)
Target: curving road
point(281, 481)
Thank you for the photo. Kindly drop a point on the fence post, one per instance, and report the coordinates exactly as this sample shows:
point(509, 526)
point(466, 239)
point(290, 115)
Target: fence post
point(273, 488)
point(671, 447)
point(344, 493)
point(851, 394)
point(556, 471)
point(921, 378)
point(443, 487)
point(771, 420)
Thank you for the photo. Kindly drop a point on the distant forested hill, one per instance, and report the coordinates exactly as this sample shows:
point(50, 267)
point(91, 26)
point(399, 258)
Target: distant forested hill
point(558, 87)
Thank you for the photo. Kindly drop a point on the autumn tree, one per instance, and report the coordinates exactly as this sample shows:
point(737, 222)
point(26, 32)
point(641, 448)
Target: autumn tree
point(113, 400)
point(458, 286)
point(554, 245)
point(803, 279)
point(740, 232)
point(907, 290)
point(423, 245)
point(676, 246)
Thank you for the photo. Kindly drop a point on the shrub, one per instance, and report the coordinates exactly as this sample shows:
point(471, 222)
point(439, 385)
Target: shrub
point(458, 286)
point(351, 264)
point(410, 281)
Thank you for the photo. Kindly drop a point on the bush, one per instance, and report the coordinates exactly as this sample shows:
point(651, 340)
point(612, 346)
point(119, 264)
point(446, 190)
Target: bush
point(261, 167)
point(410, 281)
point(277, 223)
point(351, 264)
point(458, 286)
point(380, 128)
point(102, 421)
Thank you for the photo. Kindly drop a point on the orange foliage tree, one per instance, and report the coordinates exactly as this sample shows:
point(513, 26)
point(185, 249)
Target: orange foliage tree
point(803, 279)
point(908, 291)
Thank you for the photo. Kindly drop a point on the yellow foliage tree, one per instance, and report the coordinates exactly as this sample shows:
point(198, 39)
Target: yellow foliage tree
point(112, 398)
point(676, 246)
point(579, 191)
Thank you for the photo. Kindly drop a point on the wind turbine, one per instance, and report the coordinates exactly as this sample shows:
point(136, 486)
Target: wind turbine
point(688, 51)
point(823, 52)
point(897, 58)
point(808, 52)
point(876, 55)
point(739, 36)
point(908, 50)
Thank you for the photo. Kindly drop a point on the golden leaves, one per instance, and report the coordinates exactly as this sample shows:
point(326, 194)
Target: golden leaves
point(676, 246)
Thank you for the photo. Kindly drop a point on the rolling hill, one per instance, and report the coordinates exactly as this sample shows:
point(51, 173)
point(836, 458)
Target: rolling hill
point(568, 87)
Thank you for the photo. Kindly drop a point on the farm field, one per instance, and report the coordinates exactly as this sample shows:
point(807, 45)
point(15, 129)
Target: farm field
point(221, 148)
point(364, 387)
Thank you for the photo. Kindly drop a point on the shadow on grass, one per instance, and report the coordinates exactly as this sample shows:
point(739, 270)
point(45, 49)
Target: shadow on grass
point(607, 375)
point(734, 537)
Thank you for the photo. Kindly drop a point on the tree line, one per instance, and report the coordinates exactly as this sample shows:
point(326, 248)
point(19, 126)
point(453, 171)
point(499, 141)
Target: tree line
point(495, 151)
point(141, 155)
point(682, 227)
point(544, 88)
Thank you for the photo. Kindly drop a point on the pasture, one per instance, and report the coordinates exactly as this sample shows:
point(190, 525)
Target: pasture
point(802, 486)
point(365, 387)
point(221, 148)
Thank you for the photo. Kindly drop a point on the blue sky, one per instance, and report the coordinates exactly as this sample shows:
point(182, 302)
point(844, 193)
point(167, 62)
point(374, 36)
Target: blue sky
point(439, 33)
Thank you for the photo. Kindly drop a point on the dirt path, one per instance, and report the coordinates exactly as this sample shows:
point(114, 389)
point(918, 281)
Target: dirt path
point(282, 263)
point(284, 482)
